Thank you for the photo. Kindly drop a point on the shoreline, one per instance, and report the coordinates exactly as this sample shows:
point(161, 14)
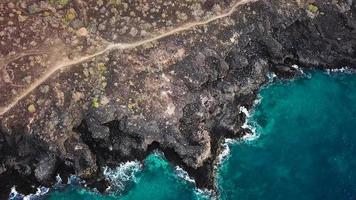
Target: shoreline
point(179, 172)
point(185, 108)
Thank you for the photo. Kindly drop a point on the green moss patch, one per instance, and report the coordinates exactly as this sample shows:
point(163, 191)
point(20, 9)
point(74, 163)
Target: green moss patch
point(70, 16)
point(61, 3)
point(312, 8)
point(95, 102)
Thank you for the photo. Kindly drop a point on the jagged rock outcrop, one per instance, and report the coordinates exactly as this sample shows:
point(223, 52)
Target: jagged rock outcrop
point(79, 93)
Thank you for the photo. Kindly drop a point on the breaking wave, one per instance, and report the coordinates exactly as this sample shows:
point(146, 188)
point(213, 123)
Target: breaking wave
point(249, 123)
point(181, 173)
point(296, 67)
point(41, 191)
point(225, 153)
point(340, 70)
point(200, 193)
point(120, 176)
point(271, 76)
point(204, 194)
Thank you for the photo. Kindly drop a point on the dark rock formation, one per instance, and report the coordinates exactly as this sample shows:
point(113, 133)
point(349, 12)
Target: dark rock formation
point(181, 95)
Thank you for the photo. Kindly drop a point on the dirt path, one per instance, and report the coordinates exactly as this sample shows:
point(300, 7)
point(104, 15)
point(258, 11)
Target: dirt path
point(68, 63)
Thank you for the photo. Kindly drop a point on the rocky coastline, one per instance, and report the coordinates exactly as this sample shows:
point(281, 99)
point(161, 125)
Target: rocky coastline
point(179, 89)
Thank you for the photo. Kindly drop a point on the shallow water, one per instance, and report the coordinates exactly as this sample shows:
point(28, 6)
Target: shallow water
point(157, 180)
point(306, 150)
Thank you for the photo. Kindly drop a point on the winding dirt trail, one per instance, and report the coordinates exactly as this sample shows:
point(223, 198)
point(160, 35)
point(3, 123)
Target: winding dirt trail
point(7, 59)
point(68, 63)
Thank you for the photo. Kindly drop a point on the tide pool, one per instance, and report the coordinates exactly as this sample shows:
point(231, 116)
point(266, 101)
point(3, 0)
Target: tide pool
point(306, 150)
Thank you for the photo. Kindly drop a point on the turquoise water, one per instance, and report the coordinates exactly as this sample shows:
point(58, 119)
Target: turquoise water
point(306, 150)
point(157, 180)
point(307, 144)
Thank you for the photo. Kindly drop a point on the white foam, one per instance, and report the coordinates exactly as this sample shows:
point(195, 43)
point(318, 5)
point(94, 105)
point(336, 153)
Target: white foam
point(257, 101)
point(340, 70)
point(40, 192)
point(183, 174)
point(58, 179)
point(72, 179)
point(199, 193)
point(249, 124)
point(14, 194)
point(343, 69)
point(122, 174)
point(271, 76)
point(244, 110)
point(295, 67)
point(253, 135)
point(225, 153)
point(205, 194)
point(249, 137)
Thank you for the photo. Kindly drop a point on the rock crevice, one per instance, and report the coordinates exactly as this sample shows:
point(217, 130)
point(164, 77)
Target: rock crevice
point(180, 94)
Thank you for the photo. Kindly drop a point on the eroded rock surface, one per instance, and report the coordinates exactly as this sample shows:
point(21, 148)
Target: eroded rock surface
point(88, 84)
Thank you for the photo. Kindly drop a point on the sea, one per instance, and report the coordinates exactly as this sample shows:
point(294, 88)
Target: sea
point(303, 147)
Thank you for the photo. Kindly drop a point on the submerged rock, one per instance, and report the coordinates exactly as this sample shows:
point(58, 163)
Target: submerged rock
point(178, 87)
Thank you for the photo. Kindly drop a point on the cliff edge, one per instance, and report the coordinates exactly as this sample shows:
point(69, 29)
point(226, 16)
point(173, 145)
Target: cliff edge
point(89, 84)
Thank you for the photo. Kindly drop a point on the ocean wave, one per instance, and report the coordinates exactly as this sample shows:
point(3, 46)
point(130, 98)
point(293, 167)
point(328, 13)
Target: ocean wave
point(253, 134)
point(257, 101)
point(249, 124)
point(296, 67)
point(244, 110)
point(183, 174)
point(14, 194)
point(225, 152)
point(121, 175)
point(340, 70)
point(205, 194)
point(58, 179)
point(200, 193)
point(74, 180)
point(249, 137)
point(271, 76)
point(41, 191)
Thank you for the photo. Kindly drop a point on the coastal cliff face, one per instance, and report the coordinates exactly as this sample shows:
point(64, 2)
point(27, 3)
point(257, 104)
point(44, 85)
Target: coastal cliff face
point(89, 84)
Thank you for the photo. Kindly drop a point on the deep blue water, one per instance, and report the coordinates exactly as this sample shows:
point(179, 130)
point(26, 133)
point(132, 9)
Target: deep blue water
point(306, 150)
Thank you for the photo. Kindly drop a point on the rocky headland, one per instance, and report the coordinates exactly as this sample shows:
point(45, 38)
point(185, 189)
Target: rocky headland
point(89, 84)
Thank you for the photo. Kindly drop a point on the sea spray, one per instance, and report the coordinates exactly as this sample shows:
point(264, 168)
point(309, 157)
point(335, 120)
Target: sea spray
point(250, 124)
point(340, 70)
point(271, 76)
point(120, 176)
point(58, 179)
point(181, 173)
point(225, 152)
point(74, 180)
point(200, 193)
point(155, 177)
point(248, 137)
point(296, 67)
point(205, 194)
point(41, 191)
point(14, 194)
